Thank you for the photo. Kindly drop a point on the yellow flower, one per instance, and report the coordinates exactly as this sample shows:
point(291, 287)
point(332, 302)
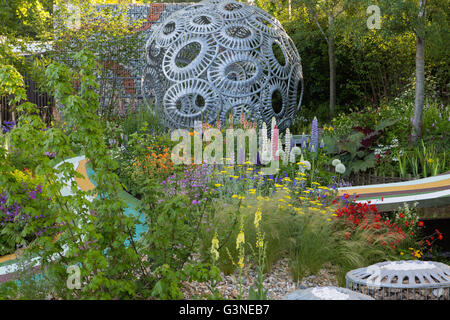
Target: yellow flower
point(240, 239)
point(218, 185)
point(214, 247)
point(430, 160)
point(258, 215)
point(241, 263)
point(418, 254)
point(260, 243)
point(234, 196)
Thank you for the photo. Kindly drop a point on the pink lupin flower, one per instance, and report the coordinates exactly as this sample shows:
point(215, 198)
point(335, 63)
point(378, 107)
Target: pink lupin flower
point(218, 124)
point(242, 117)
point(275, 143)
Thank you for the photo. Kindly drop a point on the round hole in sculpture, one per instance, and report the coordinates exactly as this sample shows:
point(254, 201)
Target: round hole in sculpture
point(277, 101)
point(169, 28)
point(265, 22)
point(241, 71)
point(232, 75)
point(199, 101)
point(278, 53)
point(202, 20)
point(187, 54)
point(238, 32)
point(232, 6)
point(179, 105)
point(153, 50)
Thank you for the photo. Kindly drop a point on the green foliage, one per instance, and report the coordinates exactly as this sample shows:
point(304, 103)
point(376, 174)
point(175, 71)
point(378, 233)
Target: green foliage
point(26, 18)
point(111, 34)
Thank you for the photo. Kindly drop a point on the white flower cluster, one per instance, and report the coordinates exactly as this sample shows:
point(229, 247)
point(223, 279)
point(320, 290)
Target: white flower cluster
point(381, 150)
point(338, 166)
point(273, 149)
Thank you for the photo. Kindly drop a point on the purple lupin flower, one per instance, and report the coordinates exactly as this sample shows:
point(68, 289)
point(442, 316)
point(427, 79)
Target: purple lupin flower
point(7, 126)
point(314, 142)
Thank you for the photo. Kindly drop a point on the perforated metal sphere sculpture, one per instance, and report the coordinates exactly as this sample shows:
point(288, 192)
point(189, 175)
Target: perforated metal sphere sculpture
point(216, 57)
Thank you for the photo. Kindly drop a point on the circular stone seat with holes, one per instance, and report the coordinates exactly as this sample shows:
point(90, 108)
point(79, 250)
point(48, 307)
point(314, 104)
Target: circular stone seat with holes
point(402, 280)
point(221, 57)
point(326, 293)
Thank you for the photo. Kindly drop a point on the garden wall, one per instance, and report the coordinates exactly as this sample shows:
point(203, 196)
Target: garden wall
point(128, 93)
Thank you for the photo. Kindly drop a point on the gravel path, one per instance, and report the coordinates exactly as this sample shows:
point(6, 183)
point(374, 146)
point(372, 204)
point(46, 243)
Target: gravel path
point(278, 282)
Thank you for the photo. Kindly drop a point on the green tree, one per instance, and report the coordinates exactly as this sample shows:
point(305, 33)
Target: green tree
point(25, 18)
point(429, 22)
point(330, 17)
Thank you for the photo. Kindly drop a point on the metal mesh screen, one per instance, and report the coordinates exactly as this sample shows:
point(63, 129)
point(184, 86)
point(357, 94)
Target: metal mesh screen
point(405, 280)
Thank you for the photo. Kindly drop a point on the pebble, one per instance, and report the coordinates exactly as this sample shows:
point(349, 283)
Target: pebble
point(278, 282)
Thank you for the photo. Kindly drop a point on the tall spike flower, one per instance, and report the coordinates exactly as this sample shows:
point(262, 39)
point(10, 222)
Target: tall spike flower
point(275, 142)
point(240, 240)
point(314, 142)
point(258, 215)
point(263, 137)
point(266, 154)
point(218, 124)
point(214, 248)
point(303, 141)
point(287, 149)
point(273, 124)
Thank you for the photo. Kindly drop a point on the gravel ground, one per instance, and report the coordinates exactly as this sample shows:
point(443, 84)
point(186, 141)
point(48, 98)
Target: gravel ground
point(278, 282)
